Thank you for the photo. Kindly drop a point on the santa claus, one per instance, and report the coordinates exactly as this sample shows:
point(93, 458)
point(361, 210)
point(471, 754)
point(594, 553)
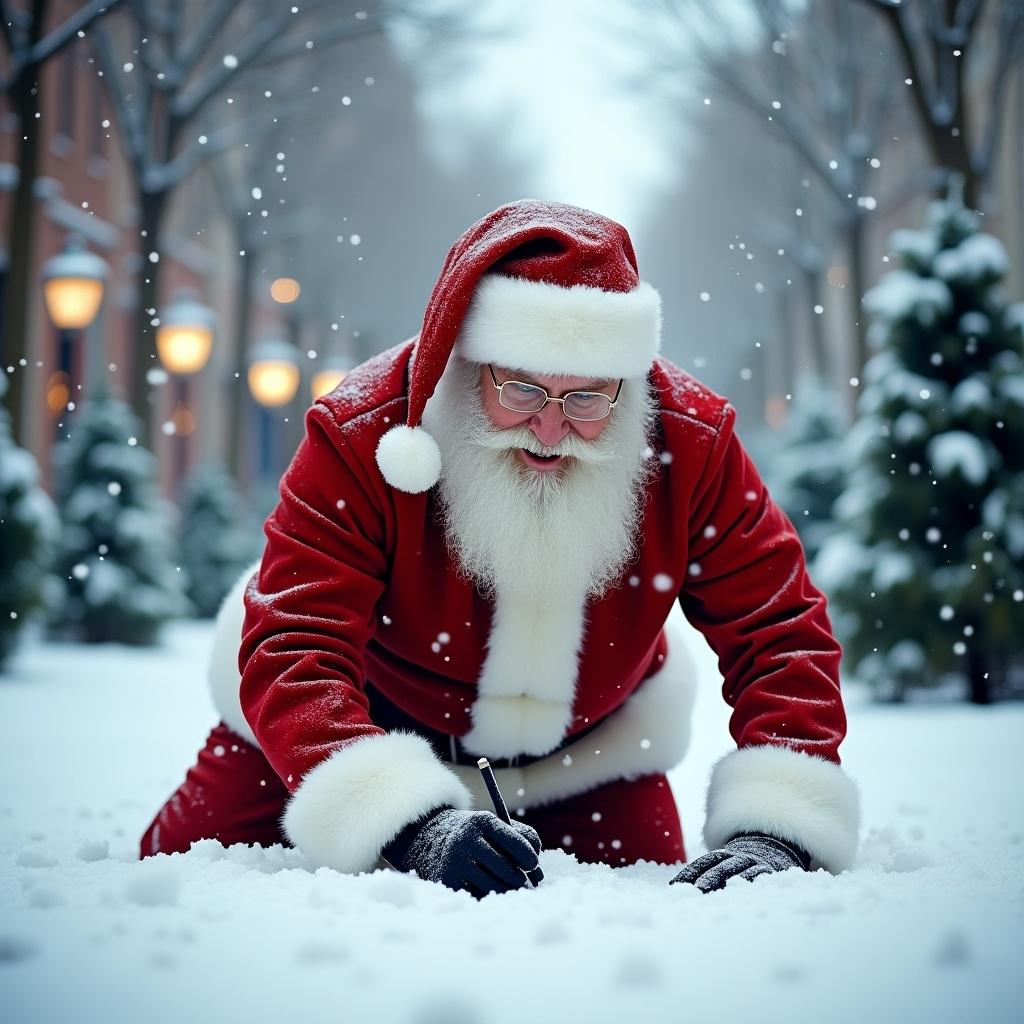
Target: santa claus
point(480, 549)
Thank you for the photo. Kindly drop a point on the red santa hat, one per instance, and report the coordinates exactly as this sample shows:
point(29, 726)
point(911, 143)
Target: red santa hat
point(534, 286)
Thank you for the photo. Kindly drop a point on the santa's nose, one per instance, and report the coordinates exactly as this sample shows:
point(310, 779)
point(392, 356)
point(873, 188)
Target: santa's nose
point(550, 425)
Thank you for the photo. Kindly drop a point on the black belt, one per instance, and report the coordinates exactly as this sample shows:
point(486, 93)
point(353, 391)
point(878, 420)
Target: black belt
point(387, 715)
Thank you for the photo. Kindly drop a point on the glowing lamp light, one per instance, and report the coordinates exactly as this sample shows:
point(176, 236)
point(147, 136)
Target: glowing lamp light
point(273, 373)
point(184, 335)
point(325, 380)
point(58, 392)
point(73, 282)
point(285, 290)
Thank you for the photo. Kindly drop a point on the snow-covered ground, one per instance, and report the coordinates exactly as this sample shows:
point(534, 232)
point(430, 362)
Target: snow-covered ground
point(928, 926)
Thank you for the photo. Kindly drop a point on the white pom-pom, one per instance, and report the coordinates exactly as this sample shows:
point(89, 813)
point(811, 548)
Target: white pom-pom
point(409, 459)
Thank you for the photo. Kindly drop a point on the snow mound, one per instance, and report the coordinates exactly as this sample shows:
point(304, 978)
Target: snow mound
point(154, 883)
point(930, 911)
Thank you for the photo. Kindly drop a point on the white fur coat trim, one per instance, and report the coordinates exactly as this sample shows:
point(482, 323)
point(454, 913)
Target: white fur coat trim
point(349, 807)
point(649, 733)
point(526, 686)
point(789, 794)
point(222, 668)
point(528, 681)
point(530, 325)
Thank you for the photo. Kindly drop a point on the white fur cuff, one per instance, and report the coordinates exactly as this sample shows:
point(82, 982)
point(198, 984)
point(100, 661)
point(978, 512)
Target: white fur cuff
point(795, 796)
point(531, 325)
point(222, 668)
point(349, 807)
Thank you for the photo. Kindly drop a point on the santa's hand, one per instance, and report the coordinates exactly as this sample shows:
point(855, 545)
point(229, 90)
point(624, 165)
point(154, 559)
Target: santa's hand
point(471, 850)
point(747, 855)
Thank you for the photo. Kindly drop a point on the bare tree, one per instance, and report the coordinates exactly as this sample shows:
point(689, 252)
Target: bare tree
point(236, 175)
point(372, 181)
point(26, 46)
point(164, 63)
point(817, 82)
point(937, 40)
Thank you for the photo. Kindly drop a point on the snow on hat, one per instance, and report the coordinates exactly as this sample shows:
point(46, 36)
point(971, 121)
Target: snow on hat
point(537, 286)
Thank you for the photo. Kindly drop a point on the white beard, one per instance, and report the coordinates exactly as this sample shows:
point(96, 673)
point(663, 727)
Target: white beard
point(532, 534)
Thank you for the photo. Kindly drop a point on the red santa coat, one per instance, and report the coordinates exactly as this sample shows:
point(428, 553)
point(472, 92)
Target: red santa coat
point(357, 590)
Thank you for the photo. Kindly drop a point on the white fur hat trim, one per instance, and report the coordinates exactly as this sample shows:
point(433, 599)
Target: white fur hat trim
point(579, 330)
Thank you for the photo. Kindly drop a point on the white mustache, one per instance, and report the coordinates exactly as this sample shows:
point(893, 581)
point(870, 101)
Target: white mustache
point(572, 446)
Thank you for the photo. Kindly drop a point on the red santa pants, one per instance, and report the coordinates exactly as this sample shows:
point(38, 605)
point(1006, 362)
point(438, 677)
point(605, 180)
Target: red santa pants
point(233, 795)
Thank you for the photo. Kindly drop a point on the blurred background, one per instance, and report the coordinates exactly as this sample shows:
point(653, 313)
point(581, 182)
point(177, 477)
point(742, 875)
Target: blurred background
point(211, 210)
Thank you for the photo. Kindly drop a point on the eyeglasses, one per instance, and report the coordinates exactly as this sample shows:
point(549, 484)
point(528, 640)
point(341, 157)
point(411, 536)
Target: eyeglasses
point(585, 406)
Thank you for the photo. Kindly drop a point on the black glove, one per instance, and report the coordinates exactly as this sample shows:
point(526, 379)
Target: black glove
point(471, 850)
point(748, 855)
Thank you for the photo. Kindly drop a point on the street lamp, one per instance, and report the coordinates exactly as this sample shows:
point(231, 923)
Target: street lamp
point(184, 335)
point(273, 378)
point(73, 282)
point(273, 373)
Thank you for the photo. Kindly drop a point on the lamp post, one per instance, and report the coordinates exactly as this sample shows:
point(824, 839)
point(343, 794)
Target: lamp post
point(73, 284)
point(273, 376)
point(184, 337)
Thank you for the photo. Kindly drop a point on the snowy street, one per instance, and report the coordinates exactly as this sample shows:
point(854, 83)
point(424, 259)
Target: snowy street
point(434, 359)
point(928, 926)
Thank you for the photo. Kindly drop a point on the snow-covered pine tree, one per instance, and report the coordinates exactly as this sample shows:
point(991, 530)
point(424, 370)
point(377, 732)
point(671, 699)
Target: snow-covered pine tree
point(218, 537)
point(806, 470)
point(928, 575)
point(28, 533)
point(115, 557)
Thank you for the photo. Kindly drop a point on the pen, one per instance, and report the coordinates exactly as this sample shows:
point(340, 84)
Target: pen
point(536, 876)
